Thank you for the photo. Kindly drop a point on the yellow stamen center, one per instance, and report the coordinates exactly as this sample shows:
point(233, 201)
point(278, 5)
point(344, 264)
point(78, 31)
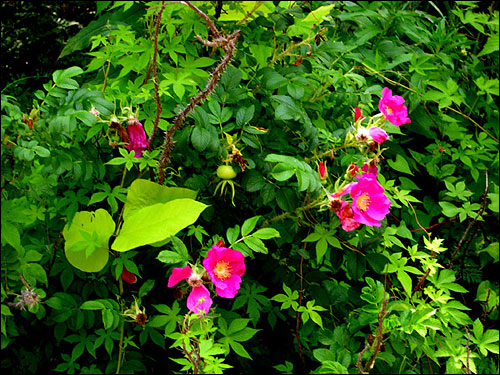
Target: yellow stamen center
point(389, 111)
point(363, 202)
point(222, 270)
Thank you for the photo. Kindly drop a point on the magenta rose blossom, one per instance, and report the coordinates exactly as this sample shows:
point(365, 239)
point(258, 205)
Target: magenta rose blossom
point(393, 108)
point(377, 134)
point(138, 139)
point(225, 267)
point(199, 300)
point(369, 203)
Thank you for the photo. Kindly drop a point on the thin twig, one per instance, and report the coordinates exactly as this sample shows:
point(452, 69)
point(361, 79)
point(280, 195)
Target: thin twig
point(483, 206)
point(358, 362)
point(467, 368)
point(420, 282)
point(297, 314)
point(56, 244)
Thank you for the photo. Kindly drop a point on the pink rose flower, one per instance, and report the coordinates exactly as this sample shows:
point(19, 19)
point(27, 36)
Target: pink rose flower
point(377, 134)
point(199, 300)
point(393, 108)
point(370, 205)
point(138, 139)
point(225, 267)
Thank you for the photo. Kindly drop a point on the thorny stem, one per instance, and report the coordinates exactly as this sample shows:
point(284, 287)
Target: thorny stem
point(378, 339)
point(377, 342)
point(204, 16)
point(155, 77)
point(228, 44)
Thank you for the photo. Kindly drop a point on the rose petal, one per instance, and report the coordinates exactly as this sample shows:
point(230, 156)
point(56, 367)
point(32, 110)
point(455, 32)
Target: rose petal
point(179, 274)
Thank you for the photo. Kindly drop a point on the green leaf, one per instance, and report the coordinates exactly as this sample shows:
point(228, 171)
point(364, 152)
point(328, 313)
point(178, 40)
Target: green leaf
point(491, 45)
point(41, 151)
point(405, 281)
point(253, 181)
point(99, 222)
point(34, 272)
point(102, 105)
point(92, 305)
point(316, 17)
point(232, 234)
point(169, 257)
point(316, 318)
point(146, 288)
point(266, 233)
point(355, 264)
point(282, 171)
point(449, 209)
point(238, 325)
point(239, 349)
point(156, 223)
point(255, 244)
point(143, 193)
point(249, 225)
point(244, 115)
point(286, 199)
point(492, 249)
point(321, 247)
point(200, 137)
point(400, 164)
point(323, 355)
point(86, 117)
point(10, 233)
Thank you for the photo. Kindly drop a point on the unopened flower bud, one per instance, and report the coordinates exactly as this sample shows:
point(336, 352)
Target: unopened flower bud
point(357, 114)
point(352, 170)
point(323, 173)
point(128, 276)
point(94, 111)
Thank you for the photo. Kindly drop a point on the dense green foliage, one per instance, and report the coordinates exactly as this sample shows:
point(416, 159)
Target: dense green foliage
point(417, 294)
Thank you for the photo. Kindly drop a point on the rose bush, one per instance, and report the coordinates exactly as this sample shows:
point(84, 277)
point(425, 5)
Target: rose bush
point(122, 251)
